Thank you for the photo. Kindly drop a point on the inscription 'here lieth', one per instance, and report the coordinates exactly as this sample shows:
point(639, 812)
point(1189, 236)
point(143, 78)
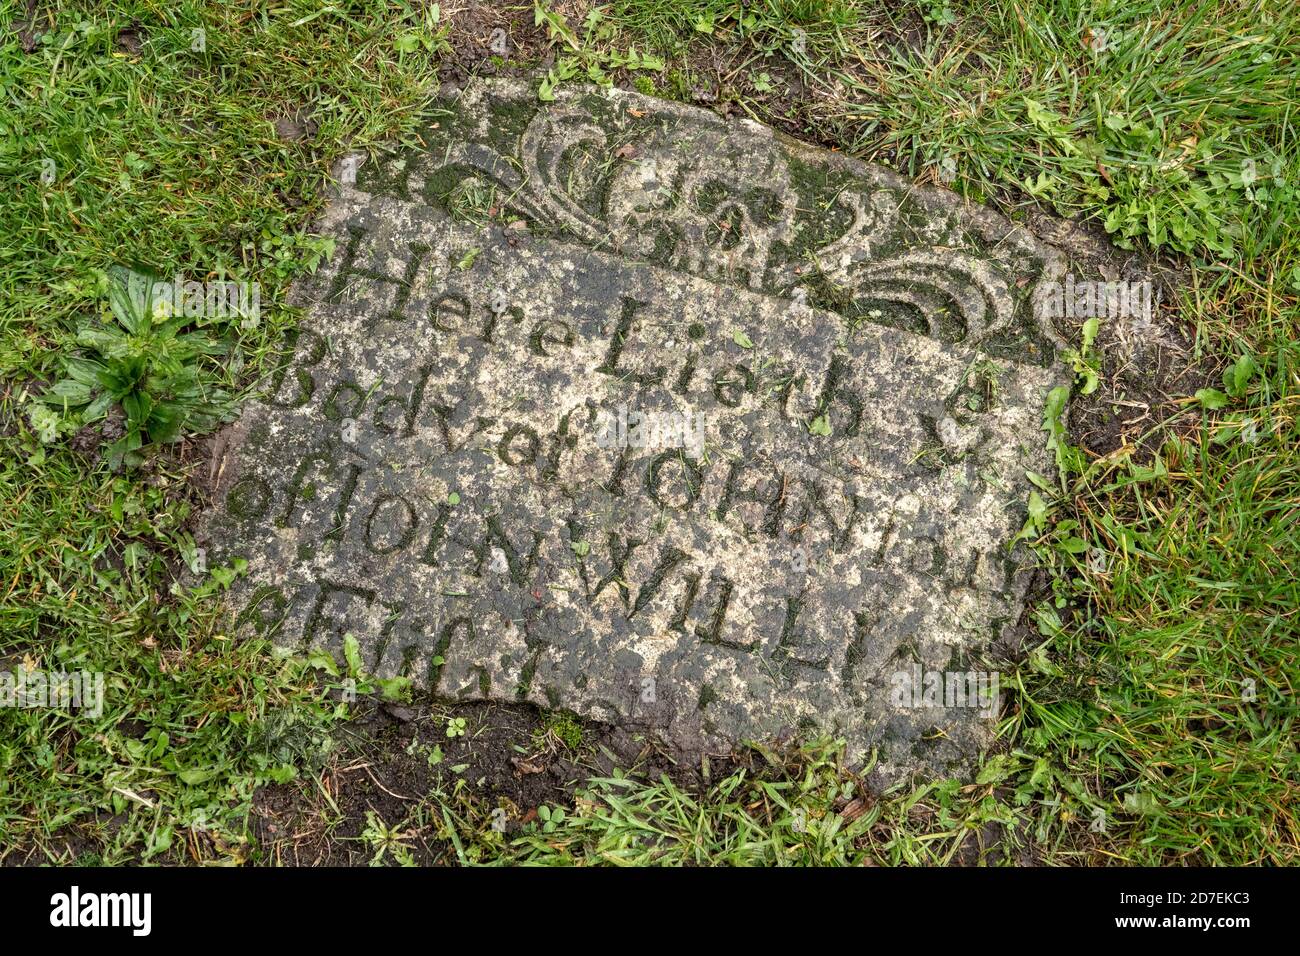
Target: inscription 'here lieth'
point(613, 406)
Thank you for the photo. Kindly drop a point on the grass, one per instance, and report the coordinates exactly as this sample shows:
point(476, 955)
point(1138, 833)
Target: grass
point(1154, 723)
point(1167, 690)
point(169, 158)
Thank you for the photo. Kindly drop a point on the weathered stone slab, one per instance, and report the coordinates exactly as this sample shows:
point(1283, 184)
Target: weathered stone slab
point(840, 381)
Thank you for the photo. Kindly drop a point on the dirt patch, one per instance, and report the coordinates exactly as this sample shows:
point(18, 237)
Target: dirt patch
point(25, 27)
point(398, 768)
point(1145, 362)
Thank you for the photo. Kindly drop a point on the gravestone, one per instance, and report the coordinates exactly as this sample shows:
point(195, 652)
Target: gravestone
point(612, 405)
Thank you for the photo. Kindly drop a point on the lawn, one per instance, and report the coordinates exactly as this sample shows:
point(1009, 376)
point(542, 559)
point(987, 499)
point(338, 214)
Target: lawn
point(1150, 718)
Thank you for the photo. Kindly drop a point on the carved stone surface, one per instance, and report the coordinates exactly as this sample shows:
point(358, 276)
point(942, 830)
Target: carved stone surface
point(611, 405)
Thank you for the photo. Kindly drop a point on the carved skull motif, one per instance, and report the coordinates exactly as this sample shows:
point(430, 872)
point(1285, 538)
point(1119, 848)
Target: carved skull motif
point(687, 201)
